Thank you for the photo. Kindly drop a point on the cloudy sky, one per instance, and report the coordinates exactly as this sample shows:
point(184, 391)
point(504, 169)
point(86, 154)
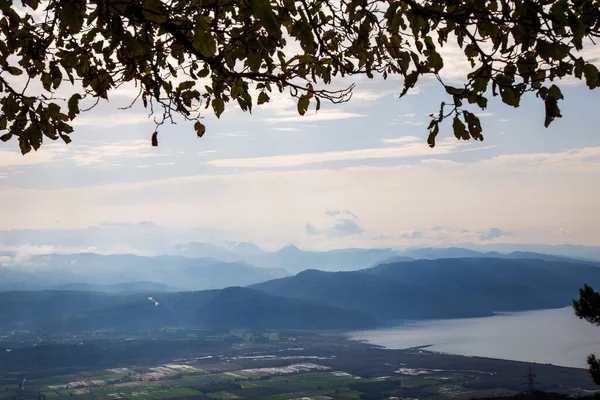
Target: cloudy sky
point(358, 174)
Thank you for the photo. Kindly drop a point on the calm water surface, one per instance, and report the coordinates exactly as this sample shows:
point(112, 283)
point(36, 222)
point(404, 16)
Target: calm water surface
point(547, 336)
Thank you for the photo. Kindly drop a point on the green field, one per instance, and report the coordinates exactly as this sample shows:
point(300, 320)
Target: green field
point(240, 383)
point(243, 364)
point(313, 385)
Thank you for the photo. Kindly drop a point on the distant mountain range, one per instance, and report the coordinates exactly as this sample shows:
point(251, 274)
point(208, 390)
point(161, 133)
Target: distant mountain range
point(590, 253)
point(433, 253)
point(58, 271)
point(442, 288)
point(289, 257)
point(200, 266)
point(312, 299)
point(293, 259)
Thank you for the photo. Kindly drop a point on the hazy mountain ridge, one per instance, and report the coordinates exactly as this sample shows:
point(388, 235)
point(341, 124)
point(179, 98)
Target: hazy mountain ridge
point(181, 273)
point(289, 257)
point(580, 252)
point(234, 307)
point(497, 284)
point(383, 298)
point(126, 287)
point(294, 259)
point(312, 299)
point(443, 288)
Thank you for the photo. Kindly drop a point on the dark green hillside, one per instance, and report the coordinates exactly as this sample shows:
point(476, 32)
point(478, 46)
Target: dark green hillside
point(382, 297)
point(75, 311)
point(442, 288)
point(244, 308)
point(496, 284)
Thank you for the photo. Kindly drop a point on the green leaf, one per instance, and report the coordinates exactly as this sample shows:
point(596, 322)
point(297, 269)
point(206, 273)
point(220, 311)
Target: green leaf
point(14, 71)
point(71, 16)
point(46, 80)
point(578, 68)
point(455, 91)
point(186, 85)
point(471, 51)
point(559, 11)
point(204, 42)
point(6, 137)
point(199, 128)
point(409, 82)
point(262, 98)
point(459, 129)
point(73, 105)
point(203, 73)
point(3, 122)
point(218, 105)
point(303, 103)
point(65, 138)
point(551, 105)
point(480, 84)
point(24, 145)
point(555, 92)
point(482, 102)
point(264, 13)
point(591, 75)
point(153, 11)
point(254, 61)
point(433, 132)
point(509, 96)
point(577, 27)
point(474, 125)
point(31, 3)
point(435, 61)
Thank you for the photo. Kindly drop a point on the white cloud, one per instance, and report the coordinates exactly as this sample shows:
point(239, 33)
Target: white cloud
point(402, 140)
point(310, 116)
point(46, 154)
point(124, 117)
point(363, 95)
point(102, 154)
point(232, 134)
point(286, 129)
point(410, 148)
point(584, 160)
point(414, 91)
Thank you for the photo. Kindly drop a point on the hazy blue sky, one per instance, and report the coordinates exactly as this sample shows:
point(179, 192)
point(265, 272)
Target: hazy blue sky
point(358, 174)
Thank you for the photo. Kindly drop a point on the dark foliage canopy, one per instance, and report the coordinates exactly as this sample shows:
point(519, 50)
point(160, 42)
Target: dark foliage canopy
point(58, 58)
point(588, 307)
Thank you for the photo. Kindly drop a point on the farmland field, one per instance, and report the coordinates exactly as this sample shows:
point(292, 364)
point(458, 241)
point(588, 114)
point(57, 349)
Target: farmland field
point(270, 365)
